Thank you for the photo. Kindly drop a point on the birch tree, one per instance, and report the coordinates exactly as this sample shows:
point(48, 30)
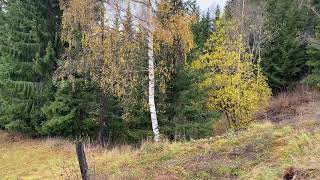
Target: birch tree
point(172, 32)
point(111, 55)
point(112, 74)
point(151, 70)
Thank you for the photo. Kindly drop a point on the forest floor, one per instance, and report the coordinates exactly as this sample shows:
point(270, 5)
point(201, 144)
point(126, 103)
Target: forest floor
point(283, 144)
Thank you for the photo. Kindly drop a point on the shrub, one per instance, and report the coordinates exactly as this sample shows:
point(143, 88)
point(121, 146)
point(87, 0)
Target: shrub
point(234, 83)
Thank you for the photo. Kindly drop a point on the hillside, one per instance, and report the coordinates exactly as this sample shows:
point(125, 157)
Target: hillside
point(263, 151)
point(159, 89)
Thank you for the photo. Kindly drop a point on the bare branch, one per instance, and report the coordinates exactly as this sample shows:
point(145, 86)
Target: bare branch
point(312, 8)
point(141, 2)
point(314, 11)
point(119, 8)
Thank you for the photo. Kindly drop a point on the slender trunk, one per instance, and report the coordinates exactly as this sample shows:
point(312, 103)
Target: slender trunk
point(103, 110)
point(82, 161)
point(259, 60)
point(81, 153)
point(259, 51)
point(102, 121)
point(151, 69)
point(242, 11)
point(103, 118)
point(229, 121)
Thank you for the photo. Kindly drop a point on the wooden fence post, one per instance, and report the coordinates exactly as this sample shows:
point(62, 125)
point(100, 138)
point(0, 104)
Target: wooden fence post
point(82, 160)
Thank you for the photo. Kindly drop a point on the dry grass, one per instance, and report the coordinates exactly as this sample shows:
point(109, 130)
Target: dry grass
point(263, 151)
point(286, 105)
point(31, 159)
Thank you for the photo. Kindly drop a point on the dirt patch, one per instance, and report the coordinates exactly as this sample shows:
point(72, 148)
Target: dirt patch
point(199, 162)
point(249, 152)
point(301, 104)
point(292, 173)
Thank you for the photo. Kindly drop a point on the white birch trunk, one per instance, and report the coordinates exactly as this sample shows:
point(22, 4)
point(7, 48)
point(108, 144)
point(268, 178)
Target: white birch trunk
point(151, 69)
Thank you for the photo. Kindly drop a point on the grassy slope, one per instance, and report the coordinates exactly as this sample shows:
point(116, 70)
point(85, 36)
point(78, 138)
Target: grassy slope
point(31, 159)
point(261, 152)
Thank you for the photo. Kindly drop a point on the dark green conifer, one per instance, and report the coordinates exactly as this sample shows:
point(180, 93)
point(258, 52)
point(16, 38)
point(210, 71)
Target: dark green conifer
point(27, 61)
point(314, 49)
point(285, 55)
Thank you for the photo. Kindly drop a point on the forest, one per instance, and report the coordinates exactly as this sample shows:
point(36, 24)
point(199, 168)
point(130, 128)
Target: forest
point(123, 72)
point(80, 68)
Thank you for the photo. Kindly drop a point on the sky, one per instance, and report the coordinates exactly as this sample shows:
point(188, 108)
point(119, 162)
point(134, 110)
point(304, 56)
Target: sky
point(205, 4)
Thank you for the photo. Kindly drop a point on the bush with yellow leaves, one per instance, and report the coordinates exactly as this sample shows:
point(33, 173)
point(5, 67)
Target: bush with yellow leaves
point(231, 77)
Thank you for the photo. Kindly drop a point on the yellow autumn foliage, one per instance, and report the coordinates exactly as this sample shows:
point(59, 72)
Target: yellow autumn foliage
point(173, 39)
point(231, 77)
point(112, 56)
point(82, 32)
point(170, 27)
point(111, 49)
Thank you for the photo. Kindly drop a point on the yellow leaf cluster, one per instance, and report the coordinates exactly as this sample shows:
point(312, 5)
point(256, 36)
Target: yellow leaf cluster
point(173, 39)
point(169, 27)
point(231, 78)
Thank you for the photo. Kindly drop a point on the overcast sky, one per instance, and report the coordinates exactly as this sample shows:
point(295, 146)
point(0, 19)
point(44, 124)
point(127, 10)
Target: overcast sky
point(205, 4)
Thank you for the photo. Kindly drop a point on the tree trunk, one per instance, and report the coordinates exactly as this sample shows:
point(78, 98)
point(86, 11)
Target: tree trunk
point(82, 161)
point(102, 124)
point(102, 120)
point(103, 110)
point(151, 69)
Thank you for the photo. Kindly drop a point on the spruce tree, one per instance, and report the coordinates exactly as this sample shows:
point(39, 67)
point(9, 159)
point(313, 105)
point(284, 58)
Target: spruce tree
point(74, 111)
point(180, 104)
point(285, 55)
point(201, 30)
point(27, 60)
point(314, 50)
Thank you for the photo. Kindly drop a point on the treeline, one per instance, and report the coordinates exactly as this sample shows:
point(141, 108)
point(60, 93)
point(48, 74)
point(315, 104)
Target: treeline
point(87, 67)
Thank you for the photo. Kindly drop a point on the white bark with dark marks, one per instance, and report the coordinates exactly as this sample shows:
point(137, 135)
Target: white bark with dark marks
point(151, 70)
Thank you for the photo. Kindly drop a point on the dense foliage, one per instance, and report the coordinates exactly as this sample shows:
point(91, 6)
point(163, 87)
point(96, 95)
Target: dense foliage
point(27, 61)
point(230, 77)
point(285, 54)
point(314, 49)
